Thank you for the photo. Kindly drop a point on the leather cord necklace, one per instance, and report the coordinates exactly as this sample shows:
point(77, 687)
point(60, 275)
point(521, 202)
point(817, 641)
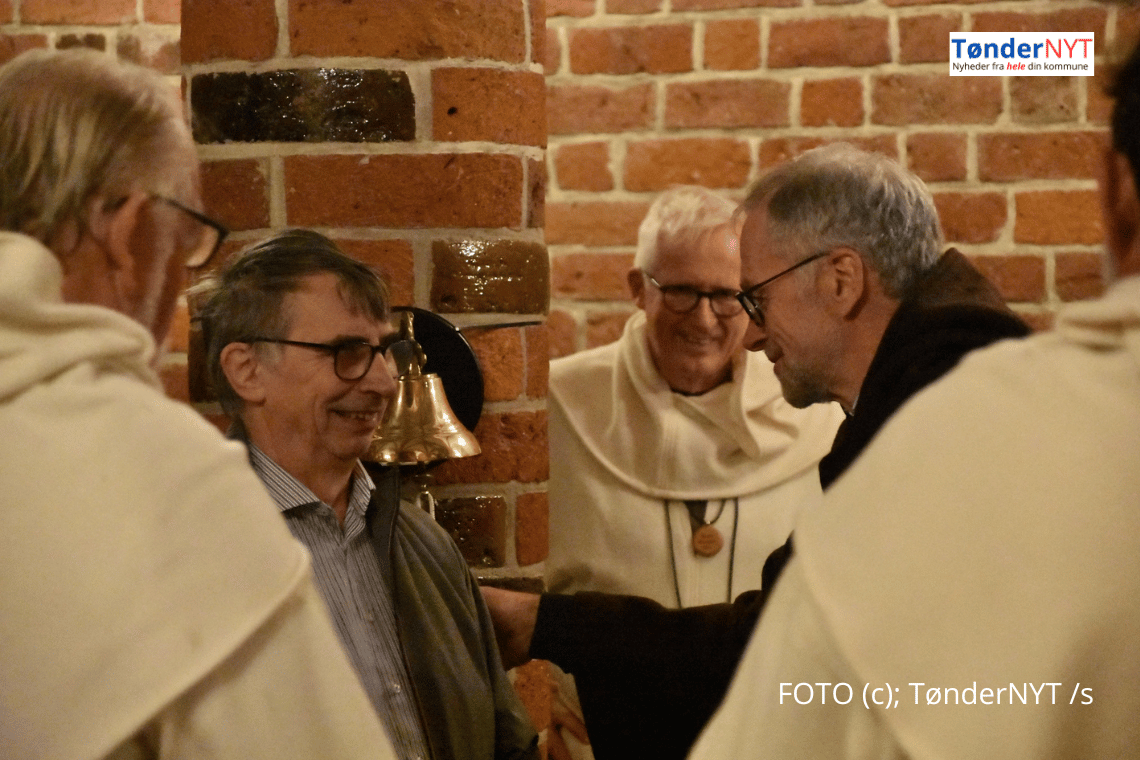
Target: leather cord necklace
point(707, 539)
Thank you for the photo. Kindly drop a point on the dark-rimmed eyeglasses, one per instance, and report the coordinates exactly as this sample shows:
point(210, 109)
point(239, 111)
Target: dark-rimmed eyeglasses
point(751, 303)
point(213, 234)
point(681, 299)
point(351, 358)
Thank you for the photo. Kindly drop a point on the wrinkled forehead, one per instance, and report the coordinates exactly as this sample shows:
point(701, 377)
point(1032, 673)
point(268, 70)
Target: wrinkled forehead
point(710, 259)
point(760, 255)
point(326, 299)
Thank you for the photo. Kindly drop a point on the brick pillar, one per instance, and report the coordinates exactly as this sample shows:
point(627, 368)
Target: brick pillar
point(414, 135)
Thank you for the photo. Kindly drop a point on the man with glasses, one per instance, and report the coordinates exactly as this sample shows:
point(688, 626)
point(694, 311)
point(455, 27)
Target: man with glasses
point(154, 606)
point(985, 546)
point(852, 299)
point(675, 464)
point(296, 333)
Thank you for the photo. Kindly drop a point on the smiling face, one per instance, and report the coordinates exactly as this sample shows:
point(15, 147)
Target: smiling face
point(314, 419)
point(797, 335)
point(692, 351)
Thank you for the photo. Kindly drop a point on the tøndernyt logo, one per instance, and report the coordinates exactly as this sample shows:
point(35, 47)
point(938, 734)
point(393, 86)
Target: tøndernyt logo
point(1027, 54)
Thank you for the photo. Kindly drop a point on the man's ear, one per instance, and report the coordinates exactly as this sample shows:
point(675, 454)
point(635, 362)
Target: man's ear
point(1120, 209)
point(845, 280)
point(635, 278)
point(242, 368)
point(114, 228)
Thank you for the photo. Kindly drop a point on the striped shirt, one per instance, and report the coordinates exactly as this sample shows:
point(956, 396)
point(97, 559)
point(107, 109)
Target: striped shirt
point(350, 579)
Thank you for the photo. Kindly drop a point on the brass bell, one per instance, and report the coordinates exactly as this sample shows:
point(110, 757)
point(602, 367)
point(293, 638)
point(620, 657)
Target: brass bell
point(419, 425)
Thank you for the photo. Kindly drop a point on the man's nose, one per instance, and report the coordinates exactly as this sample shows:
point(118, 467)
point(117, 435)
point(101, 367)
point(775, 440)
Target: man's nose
point(379, 378)
point(755, 336)
point(703, 313)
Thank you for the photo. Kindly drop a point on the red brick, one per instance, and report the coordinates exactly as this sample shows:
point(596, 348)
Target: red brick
point(1043, 100)
point(433, 190)
point(594, 223)
point(717, 5)
point(1018, 278)
point(537, 361)
point(175, 382)
point(577, 8)
point(847, 41)
point(1098, 109)
point(162, 11)
point(1039, 155)
point(605, 327)
point(410, 31)
point(532, 528)
point(563, 334)
point(89, 40)
point(536, 10)
point(1127, 27)
point(1079, 276)
point(11, 45)
point(77, 12)
point(157, 51)
point(1038, 321)
point(937, 156)
point(241, 30)
point(732, 44)
point(236, 193)
point(584, 166)
point(395, 260)
point(632, 6)
point(6, 14)
point(1050, 217)
point(500, 352)
point(591, 276)
point(477, 104)
point(931, 2)
point(924, 39)
point(832, 103)
point(659, 49)
point(727, 103)
point(712, 162)
point(780, 149)
point(971, 217)
point(902, 99)
point(536, 202)
point(573, 109)
point(1090, 19)
point(552, 56)
point(514, 449)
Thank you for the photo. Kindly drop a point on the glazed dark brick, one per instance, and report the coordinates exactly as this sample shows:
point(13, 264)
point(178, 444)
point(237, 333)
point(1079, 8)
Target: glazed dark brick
point(303, 105)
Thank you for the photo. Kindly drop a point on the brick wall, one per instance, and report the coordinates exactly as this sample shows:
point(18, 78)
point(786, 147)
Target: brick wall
point(645, 93)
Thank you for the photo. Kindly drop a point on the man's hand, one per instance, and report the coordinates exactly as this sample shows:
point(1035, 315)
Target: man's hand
point(513, 614)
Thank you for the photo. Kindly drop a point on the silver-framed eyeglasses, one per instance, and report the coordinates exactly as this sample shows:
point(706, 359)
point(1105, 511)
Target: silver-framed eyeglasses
point(351, 358)
point(213, 233)
point(681, 299)
point(748, 297)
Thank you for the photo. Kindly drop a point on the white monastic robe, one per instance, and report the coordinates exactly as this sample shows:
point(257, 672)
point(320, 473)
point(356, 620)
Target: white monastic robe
point(981, 559)
point(626, 452)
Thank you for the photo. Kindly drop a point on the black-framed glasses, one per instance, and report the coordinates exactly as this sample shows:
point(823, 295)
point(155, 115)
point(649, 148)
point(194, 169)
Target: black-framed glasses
point(351, 358)
point(748, 298)
point(681, 299)
point(213, 234)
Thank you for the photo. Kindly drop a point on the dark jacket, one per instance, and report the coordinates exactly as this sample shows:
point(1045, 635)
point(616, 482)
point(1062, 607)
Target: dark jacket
point(468, 706)
point(649, 678)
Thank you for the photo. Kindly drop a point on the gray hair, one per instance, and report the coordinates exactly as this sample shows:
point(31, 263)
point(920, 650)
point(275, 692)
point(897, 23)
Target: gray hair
point(75, 124)
point(246, 299)
point(680, 216)
point(839, 195)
